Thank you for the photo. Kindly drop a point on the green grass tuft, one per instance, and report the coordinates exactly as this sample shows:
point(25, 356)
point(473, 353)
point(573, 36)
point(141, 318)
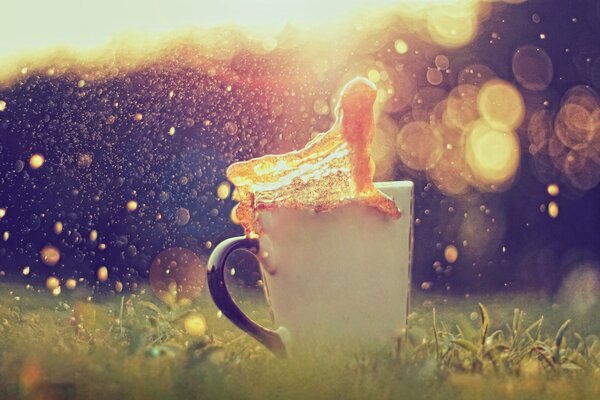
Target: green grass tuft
point(134, 347)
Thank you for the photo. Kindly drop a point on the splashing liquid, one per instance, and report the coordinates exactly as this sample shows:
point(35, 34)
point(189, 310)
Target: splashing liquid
point(333, 169)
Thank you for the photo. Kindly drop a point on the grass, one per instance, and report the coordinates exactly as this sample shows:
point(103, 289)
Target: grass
point(134, 347)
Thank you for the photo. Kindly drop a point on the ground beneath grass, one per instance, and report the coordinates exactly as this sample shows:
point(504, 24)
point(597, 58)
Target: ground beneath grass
point(79, 346)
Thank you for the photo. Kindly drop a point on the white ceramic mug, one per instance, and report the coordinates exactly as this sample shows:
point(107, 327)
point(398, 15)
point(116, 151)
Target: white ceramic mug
point(342, 274)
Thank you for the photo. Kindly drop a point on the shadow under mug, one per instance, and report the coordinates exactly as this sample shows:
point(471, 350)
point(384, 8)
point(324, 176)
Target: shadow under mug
point(343, 273)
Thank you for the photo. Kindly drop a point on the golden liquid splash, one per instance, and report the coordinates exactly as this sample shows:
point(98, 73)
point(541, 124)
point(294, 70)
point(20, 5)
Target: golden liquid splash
point(333, 169)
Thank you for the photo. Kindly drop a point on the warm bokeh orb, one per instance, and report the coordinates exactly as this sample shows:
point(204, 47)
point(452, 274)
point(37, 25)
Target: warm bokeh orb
point(223, 190)
point(539, 131)
point(492, 155)
point(52, 283)
point(50, 255)
point(553, 190)
point(36, 161)
point(475, 75)
point(401, 46)
point(501, 105)
point(132, 205)
point(71, 284)
point(450, 174)
point(553, 209)
point(58, 227)
point(418, 145)
point(451, 254)
point(195, 324)
point(461, 107)
point(452, 25)
point(177, 276)
point(102, 274)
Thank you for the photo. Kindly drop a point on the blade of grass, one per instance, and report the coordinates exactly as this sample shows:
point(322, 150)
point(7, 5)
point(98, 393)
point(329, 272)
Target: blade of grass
point(435, 335)
point(485, 323)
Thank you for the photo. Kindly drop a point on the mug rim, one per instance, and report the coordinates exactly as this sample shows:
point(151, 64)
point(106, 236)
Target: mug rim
point(394, 184)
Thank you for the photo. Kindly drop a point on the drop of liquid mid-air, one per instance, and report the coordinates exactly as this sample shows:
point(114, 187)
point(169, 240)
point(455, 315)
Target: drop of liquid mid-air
point(333, 169)
point(50, 255)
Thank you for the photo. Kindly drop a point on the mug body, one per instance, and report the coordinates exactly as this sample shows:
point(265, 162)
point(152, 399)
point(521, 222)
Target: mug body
point(343, 274)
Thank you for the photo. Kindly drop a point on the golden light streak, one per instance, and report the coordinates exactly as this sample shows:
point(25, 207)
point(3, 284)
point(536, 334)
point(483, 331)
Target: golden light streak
point(124, 34)
point(66, 22)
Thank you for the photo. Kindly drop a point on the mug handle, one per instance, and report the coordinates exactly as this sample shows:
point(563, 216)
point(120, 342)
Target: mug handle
point(222, 298)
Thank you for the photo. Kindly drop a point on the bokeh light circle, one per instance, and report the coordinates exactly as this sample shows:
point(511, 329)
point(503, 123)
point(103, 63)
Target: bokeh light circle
point(476, 75)
point(576, 124)
point(450, 174)
point(532, 67)
point(492, 155)
point(461, 107)
point(404, 89)
point(418, 145)
point(177, 276)
point(539, 131)
point(452, 25)
point(501, 105)
point(50, 255)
